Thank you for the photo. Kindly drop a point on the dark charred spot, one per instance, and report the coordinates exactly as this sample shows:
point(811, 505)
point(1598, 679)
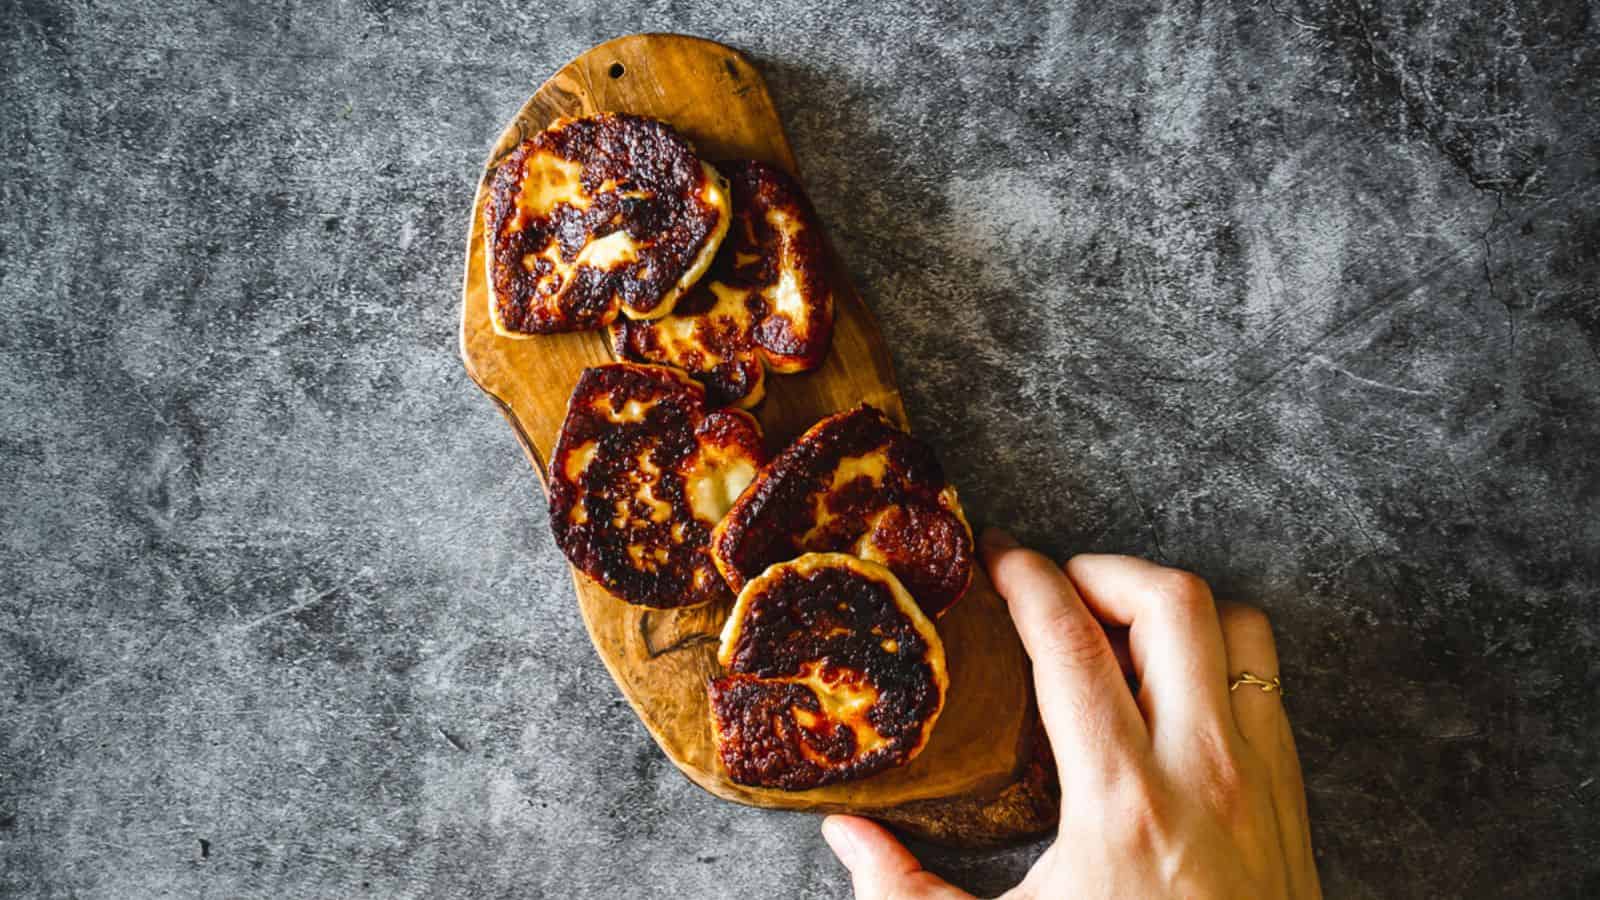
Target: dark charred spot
point(925, 544)
point(674, 430)
point(927, 547)
point(672, 223)
point(751, 261)
point(838, 619)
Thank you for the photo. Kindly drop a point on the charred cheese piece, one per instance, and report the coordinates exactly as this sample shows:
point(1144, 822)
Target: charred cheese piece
point(640, 474)
point(853, 483)
point(596, 215)
point(765, 304)
point(834, 674)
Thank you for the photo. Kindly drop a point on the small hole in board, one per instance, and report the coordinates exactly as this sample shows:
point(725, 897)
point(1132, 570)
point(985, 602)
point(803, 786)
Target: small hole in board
point(616, 70)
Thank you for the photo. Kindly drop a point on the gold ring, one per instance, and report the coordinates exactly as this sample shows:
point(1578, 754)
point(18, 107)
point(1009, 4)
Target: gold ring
point(1275, 686)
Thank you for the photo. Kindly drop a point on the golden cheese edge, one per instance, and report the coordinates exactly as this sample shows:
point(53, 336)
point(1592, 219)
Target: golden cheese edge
point(825, 692)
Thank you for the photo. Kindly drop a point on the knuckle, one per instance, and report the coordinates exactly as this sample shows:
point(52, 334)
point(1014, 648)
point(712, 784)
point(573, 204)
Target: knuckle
point(1226, 783)
point(1184, 583)
point(1069, 640)
point(1144, 815)
point(1183, 590)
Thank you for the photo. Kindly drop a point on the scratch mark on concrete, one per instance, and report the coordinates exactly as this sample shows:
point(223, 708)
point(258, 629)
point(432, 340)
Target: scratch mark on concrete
point(1380, 385)
point(1384, 301)
point(450, 739)
point(220, 636)
point(1155, 532)
point(1408, 807)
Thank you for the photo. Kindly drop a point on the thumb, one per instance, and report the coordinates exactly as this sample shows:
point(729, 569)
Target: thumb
point(880, 868)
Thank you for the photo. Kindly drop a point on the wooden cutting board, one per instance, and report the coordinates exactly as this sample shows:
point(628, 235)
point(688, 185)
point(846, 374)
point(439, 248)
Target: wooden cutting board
point(984, 776)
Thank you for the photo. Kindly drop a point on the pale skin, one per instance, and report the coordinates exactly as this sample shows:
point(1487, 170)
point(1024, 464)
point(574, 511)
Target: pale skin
point(1183, 789)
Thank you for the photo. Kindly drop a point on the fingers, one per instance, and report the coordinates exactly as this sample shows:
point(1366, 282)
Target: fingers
point(1296, 823)
point(880, 867)
point(1084, 701)
point(1264, 723)
point(1173, 637)
point(1250, 648)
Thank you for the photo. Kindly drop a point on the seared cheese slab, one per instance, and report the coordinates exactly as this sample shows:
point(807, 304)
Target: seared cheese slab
point(834, 674)
point(641, 473)
point(598, 215)
point(853, 483)
point(765, 304)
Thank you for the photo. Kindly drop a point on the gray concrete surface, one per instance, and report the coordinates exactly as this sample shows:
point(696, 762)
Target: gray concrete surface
point(1300, 295)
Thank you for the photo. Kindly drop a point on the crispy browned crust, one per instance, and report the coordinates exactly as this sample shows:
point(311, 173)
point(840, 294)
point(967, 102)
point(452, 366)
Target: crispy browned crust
point(834, 623)
point(910, 520)
point(735, 326)
point(640, 177)
point(606, 502)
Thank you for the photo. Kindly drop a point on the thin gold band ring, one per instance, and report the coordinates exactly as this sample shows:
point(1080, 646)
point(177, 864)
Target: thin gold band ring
point(1272, 686)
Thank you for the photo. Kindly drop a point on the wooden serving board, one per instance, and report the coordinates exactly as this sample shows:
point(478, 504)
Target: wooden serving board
point(982, 778)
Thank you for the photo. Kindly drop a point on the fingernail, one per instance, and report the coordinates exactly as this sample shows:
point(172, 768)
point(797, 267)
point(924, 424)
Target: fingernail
point(840, 841)
point(996, 539)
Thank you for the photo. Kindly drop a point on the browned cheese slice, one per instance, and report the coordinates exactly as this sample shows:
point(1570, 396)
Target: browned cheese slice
point(834, 674)
point(641, 472)
point(853, 483)
point(765, 304)
point(594, 215)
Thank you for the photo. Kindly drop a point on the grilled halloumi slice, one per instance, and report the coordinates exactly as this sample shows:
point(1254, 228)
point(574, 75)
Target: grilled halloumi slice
point(853, 483)
point(834, 674)
point(640, 474)
point(594, 216)
point(765, 304)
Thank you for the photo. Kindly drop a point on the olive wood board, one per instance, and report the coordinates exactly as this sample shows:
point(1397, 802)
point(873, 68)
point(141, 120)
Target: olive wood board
point(984, 777)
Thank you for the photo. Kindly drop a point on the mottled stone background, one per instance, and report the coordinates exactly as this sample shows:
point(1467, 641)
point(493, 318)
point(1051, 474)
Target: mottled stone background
point(1300, 295)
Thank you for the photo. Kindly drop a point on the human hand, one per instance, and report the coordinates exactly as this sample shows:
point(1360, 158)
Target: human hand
point(1186, 790)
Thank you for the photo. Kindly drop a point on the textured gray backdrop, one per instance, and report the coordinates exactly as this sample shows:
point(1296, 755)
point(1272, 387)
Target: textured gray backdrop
point(1300, 295)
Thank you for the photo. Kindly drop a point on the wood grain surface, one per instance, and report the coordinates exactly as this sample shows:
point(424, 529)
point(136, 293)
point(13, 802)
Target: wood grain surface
point(984, 777)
